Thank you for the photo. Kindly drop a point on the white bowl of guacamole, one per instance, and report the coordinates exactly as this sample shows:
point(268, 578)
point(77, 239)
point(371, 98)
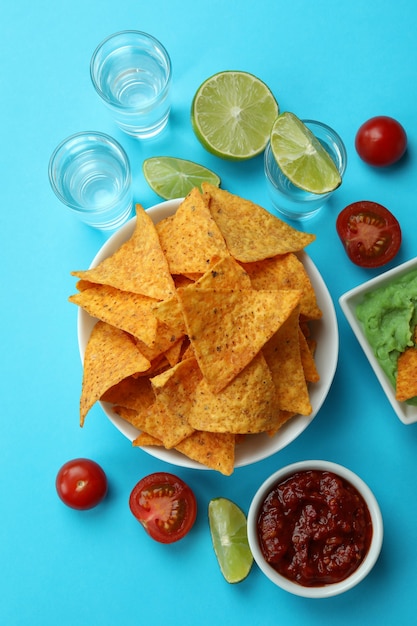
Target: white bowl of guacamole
point(383, 316)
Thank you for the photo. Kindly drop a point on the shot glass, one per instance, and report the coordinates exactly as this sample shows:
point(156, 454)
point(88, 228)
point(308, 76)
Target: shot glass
point(291, 201)
point(90, 173)
point(131, 72)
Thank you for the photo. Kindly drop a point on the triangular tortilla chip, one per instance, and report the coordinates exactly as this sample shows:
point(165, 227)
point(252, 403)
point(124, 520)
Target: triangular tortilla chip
point(406, 386)
point(132, 393)
point(173, 354)
point(247, 405)
point(225, 274)
point(131, 312)
point(159, 422)
point(139, 265)
point(169, 313)
point(133, 416)
point(145, 439)
point(307, 359)
point(285, 271)
point(192, 237)
point(228, 327)
point(175, 387)
point(282, 418)
point(250, 231)
point(166, 337)
point(214, 450)
point(282, 353)
point(117, 356)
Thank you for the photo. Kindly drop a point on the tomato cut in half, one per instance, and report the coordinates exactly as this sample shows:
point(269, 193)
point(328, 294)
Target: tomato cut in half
point(369, 232)
point(165, 506)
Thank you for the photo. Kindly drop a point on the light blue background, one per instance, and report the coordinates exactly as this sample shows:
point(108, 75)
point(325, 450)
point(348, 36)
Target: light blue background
point(338, 62)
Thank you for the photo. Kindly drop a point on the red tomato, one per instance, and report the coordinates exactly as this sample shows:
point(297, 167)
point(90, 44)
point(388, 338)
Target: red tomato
point(381, 141)
point(369, 232)
point(164, 505)
point(81, 484)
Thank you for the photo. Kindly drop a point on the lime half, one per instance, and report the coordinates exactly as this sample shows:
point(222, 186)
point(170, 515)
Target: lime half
point(230, 540)
point(302, 157)
point(172, 178)
point(232, 114)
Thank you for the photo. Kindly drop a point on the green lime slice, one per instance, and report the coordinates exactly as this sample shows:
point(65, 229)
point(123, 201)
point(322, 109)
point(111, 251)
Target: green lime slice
point(302, 157)
point(232, 114)
point(173, 178)
point(230, 540)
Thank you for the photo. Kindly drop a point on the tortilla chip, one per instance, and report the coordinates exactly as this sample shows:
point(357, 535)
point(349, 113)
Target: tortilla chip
point(311, 373)
point(118, 358)
point(158, 365)
point(214, 450)
point(226, 273)
point(84, 284)
point(136, 418)
point(282, 353)
point(196, 275)
point(169, 312)
point(164, 226)
point(406, 387)
point(180, 280)
point(132, 393)
point(173, 354)
point(130, 312)
point(165, 338)
point(228, 327)
point(145, 439)
point(282, 418)
point(138, 266)
point(246, 406)
point(285, 272)
point(250, 231)
point(175, 387)
point(158, 422)
point(192, 237)
point(188, 353)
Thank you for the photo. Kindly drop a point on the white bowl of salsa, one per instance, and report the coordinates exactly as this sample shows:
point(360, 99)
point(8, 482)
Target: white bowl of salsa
point(378, 312)
point(315, 529)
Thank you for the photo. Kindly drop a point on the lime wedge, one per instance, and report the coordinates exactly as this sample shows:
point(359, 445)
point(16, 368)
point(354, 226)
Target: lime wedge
point(230, 541)
point(302, 157)
point(173, 178)
point(232, 115)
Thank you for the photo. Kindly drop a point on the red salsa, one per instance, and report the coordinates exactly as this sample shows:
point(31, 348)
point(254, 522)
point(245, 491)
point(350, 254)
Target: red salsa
point(314, 528)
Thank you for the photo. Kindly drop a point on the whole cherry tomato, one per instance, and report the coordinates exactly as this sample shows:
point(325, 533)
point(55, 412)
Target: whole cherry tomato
point(370, 234)
point(381, 141)
point(81, 484)
point(165, 506)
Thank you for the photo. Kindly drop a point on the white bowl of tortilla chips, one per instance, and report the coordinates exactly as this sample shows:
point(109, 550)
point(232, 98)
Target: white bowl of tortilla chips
point(206, 332)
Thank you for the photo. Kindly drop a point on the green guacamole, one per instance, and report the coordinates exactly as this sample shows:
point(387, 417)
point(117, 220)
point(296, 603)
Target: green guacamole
point(389, 315)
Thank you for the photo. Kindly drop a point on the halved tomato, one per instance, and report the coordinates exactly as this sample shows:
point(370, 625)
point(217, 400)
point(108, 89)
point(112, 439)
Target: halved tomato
point(165, 506)
point(369, 232)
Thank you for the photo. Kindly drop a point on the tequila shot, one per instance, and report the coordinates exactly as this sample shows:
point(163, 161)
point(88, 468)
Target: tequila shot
point(90, 173)
point(131, 72)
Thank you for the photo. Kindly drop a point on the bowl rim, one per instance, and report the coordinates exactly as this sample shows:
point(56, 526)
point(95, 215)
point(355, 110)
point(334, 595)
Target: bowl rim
point(348, 302)
point(331, 589)
point(327, 353)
